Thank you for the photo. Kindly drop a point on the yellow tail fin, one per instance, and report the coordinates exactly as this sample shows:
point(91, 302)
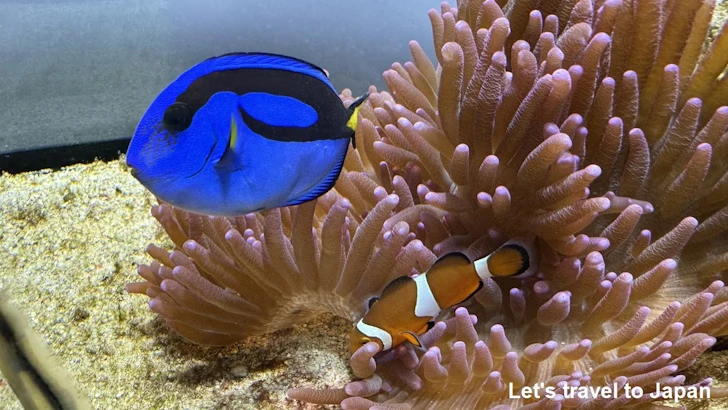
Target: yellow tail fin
point(354, 109)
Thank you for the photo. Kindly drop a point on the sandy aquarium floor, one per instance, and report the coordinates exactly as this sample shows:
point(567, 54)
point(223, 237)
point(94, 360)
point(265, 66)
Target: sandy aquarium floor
point(69, 242)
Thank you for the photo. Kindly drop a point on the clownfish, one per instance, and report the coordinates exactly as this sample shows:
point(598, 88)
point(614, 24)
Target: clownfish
point(243, 132)
point(407, 306)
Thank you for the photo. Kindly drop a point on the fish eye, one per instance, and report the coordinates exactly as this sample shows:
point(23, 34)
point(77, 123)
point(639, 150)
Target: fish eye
point(365, 341)
point(177, 117)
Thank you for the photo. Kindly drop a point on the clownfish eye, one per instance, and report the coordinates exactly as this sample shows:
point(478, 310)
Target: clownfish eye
point(365, 341)
point(177, 117)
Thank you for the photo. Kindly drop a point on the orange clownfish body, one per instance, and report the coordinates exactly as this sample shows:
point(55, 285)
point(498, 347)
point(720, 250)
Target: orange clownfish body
point(407, 306)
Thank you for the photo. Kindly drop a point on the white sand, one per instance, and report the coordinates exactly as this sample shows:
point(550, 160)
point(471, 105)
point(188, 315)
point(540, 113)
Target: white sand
point(69, 242)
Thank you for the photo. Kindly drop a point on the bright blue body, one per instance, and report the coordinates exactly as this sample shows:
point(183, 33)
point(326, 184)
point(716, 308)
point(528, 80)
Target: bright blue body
point(207, 170)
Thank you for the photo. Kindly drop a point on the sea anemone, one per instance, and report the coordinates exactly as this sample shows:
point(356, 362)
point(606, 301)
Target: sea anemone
point(594, 126)
point(232, 278)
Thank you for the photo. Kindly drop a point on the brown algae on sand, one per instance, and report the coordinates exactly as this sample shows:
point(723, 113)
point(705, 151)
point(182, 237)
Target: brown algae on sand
point(70, 240)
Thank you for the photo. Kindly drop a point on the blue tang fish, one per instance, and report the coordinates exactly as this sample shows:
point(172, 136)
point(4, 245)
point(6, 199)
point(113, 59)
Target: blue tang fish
point(243, 132)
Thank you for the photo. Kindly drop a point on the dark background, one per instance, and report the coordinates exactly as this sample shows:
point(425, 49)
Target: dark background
point(84, 71)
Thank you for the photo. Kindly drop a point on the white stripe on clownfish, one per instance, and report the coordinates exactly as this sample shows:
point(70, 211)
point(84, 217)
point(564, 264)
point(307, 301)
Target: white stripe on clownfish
point(373, 331)
point(426, 305)
point(481, 268)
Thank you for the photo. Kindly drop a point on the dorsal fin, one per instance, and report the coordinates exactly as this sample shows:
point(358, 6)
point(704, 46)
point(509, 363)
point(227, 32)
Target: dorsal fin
point(448, 259)
point(238, 60)
point(455, 255)
point(396, 284)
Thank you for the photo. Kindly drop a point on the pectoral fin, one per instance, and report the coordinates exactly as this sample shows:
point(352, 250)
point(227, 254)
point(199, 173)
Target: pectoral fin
point(413, 338)
point(230, 160)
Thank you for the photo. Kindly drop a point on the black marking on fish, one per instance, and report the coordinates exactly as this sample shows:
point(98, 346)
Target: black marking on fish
point(396, 284)
point(372, 301)
point(458, 254)
point(332, 115)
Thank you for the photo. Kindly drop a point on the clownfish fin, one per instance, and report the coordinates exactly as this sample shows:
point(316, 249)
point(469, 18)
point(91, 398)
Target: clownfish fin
point(372, 301)
point(396, 284)
point(480, 286)
point(452, 260)
point(515, 258)
point(508, 260)
point(413, 338)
